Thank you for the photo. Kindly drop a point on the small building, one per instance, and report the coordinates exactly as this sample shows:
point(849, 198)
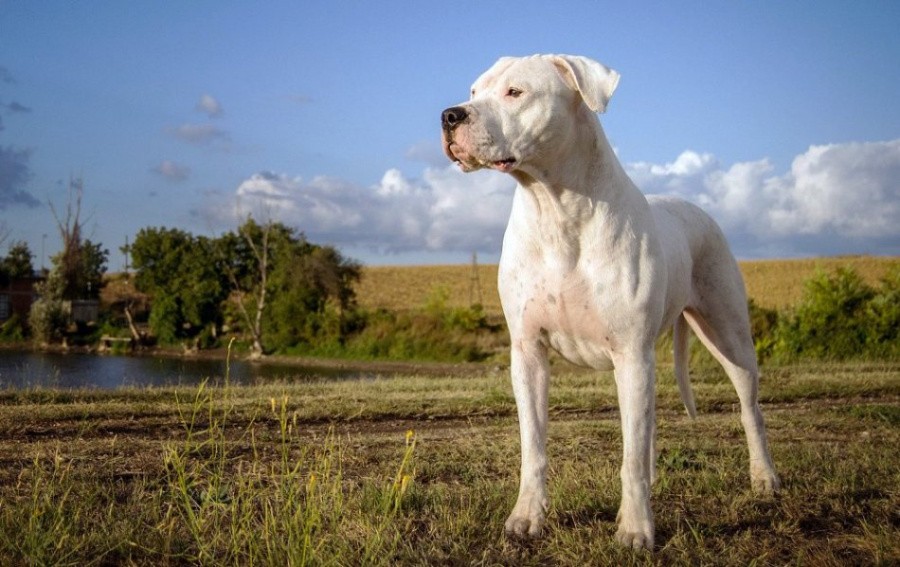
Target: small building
point(82, 310)
point(17, 296)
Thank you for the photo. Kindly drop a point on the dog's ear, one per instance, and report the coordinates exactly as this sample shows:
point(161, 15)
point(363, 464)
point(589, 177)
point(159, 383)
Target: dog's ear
point(596, 82)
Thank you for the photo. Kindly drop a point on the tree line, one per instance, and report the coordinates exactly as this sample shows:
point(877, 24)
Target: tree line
point(268, 286)
point(264, 282)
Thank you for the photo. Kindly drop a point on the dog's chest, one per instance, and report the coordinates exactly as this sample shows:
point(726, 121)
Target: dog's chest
point(567, 311)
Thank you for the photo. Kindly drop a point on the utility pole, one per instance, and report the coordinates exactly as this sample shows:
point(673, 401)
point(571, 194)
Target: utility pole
point(126, 249)
point(475, 283)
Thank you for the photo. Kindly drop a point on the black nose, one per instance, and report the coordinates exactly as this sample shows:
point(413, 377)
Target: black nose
point(453, 117)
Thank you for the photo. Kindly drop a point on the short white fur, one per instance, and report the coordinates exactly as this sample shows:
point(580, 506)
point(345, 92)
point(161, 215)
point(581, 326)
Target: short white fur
point(596, 271)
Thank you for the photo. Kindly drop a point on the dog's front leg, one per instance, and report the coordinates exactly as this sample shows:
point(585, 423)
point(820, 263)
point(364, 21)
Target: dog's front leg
point(635, 379)
point(530, 377)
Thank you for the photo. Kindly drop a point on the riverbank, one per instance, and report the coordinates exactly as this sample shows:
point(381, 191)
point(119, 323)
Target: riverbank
point(421, 469)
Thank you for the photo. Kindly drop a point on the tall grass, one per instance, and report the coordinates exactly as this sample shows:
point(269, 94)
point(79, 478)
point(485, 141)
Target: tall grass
point(45, 521)
point(233, 490)
point(240, 508)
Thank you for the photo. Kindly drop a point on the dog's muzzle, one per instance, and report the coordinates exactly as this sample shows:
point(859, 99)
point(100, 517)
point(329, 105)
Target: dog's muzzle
point(450, 119)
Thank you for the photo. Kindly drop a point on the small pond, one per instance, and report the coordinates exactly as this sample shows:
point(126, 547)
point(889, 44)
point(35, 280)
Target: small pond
point(56, 370)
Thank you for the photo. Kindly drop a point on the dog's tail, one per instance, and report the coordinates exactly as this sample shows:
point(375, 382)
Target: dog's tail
point(682, 356)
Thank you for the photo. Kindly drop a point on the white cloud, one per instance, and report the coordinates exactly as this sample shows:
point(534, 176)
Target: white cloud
point(836, 199)
point(853, 189)
point(849, 191)
point(198, 134)
point(172, 171)
point(445, 210)
point(210, 106)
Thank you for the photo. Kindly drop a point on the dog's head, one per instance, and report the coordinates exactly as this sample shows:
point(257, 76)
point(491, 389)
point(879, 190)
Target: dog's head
point(523, 109)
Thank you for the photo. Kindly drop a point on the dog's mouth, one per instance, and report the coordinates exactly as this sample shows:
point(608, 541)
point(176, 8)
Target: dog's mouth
point(460, 158)
point(504, 165)
point(468, 162)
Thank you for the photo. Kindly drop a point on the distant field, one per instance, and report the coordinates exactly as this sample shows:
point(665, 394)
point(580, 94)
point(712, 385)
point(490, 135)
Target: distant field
point(771, 283)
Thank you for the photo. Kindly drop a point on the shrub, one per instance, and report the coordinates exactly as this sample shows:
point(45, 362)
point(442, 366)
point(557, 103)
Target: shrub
point(883, 317)
point(48, 319)
point(446, 335)
point(12, 330)
point(165, 319)
point(763, 322)
point(434, 332)
point(841, 317)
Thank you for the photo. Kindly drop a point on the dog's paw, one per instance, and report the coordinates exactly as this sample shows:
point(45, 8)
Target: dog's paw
point(765, 483)
point(527, 518)
point(635, 528)
point(523, 528)
point(634, 539)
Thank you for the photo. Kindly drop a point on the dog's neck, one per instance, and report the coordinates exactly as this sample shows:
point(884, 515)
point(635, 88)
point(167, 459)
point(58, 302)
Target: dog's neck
point(584, 194)
point(574, 186)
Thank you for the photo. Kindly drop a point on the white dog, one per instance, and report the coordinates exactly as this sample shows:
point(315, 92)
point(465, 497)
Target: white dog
point(593, 270)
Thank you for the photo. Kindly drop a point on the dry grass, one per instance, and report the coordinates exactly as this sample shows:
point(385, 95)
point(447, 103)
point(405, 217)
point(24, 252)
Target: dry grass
point(408, 287)
point(319, 473)
point(779, 283)
point(771, 283)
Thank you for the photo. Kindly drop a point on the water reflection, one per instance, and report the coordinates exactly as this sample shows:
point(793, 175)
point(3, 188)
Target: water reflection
point(30, 370)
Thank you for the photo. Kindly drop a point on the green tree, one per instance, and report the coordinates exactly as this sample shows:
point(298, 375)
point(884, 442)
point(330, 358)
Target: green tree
point(312, 291)
point(94, 258)
point(81, 263)
point(47, 318)
point(184, 278)
point(247, 258)
point(824, 324)
point(82, 271)
point(17, 263)
point(883, 317)
point(287, 290)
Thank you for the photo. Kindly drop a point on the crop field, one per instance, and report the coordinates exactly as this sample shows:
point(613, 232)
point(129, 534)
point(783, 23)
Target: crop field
point(422, 470)
point(771, 283)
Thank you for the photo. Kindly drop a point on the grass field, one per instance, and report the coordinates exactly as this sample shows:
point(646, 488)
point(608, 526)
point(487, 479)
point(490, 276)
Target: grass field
point(771, 283)
point(422, 470)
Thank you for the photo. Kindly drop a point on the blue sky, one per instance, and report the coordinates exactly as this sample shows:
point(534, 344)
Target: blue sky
point(780, 118)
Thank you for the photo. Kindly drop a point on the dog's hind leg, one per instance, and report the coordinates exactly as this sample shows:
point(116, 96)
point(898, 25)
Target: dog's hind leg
point(725, 331)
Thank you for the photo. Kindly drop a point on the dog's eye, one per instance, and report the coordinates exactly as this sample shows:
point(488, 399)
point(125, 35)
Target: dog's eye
point(513, 92)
